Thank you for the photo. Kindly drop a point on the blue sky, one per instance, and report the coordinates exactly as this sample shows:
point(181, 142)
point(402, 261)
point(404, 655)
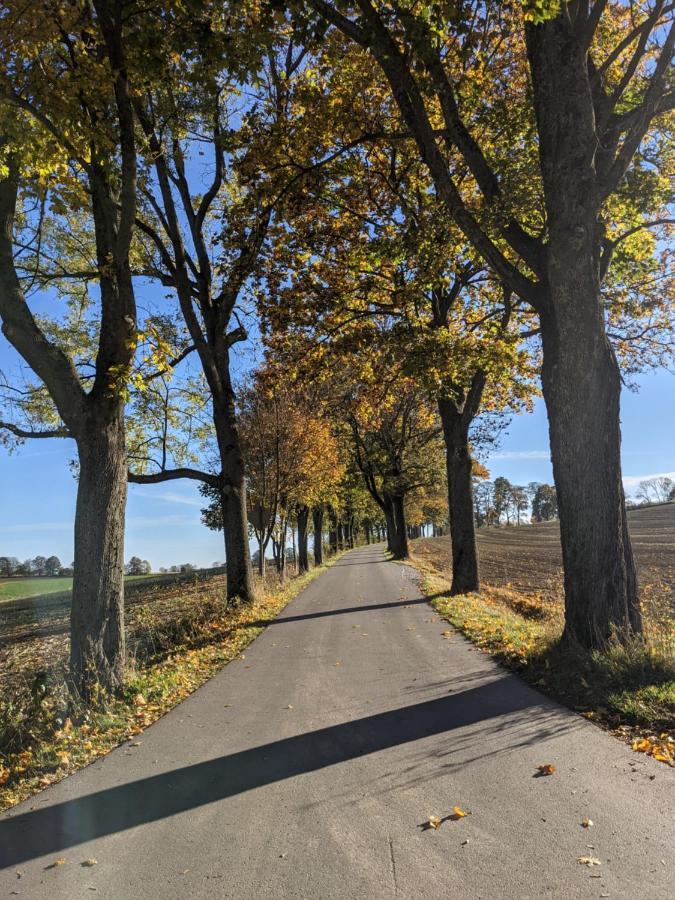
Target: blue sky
point(163, 521)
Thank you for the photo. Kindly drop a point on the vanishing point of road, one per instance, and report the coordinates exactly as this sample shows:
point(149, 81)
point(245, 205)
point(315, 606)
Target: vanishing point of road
point(309, 768)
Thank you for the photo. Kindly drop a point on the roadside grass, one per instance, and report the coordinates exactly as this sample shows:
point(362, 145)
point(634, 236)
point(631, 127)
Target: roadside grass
point(630, 691)
point(173, 649)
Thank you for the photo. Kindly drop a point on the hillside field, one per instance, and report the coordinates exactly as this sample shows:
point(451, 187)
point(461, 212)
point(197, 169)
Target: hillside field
point(527, 558)
point(23, 588)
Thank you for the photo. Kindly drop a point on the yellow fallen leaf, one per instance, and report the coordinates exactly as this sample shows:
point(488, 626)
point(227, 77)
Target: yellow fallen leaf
point(458, 813)
point(433, 822)
point(139, 700)
point(589, 861)
point(57, 862)
point(547, 769)
point(4, 775)
point(641, 745)
point(88, 863)
point(661, 755)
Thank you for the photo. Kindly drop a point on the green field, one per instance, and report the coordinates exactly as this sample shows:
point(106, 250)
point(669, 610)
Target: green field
point(23, 588)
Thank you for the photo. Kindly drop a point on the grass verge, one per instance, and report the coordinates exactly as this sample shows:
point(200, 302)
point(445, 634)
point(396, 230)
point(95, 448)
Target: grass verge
point(44, 736)
point(630, 691)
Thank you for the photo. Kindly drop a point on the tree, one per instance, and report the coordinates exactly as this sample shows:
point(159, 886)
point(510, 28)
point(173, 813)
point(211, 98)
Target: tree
point(53, 566)
point(395, 444)
point(598, 76)
point(544, 503)
point(518, 501)
point(206, 245)
point(501, 499)
point(656, 490)
point(291, 459)
point(68, 135)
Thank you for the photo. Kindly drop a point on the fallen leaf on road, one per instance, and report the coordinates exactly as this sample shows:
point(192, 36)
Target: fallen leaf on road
point(88, 863)
point(586, 823)
point(458, 813)
point(434, 822)
point(547, 769)
point(57, 862)
point(446, 633)
point(589, 861)
point(288, 707)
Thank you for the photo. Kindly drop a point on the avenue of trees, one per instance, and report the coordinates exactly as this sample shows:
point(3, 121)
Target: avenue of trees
point(311, 255)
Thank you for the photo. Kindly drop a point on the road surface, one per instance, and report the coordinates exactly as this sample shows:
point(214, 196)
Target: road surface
point(308, 769)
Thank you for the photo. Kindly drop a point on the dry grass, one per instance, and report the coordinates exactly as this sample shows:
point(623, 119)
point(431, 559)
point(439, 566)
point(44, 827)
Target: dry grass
point(628, 690)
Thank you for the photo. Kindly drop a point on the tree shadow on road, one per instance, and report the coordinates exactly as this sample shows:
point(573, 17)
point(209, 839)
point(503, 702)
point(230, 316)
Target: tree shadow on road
point(24, 836)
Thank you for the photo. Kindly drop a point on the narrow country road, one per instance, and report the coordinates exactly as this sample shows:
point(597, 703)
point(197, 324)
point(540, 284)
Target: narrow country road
point(306, 769)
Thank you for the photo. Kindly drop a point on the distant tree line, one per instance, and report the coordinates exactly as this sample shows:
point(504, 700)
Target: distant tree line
point(39, 566)
point(497, 502)
point(51, 567)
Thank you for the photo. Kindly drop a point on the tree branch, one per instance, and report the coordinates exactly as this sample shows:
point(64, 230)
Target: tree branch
point(174, 475)
point(25, 433)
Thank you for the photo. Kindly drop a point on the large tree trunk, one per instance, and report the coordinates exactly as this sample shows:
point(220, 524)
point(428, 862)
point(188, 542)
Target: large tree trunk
point(465, 578)
point(262, 547)
point(317, 520)
point(391, 526)
point(580, 375)
point(97, 649)
point(332, 531)
point(235, 521)
point(582, 385)
point(400, 546)
point(303, 557)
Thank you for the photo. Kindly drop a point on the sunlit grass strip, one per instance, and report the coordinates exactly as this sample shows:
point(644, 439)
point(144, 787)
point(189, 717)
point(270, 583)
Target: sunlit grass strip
point(64, 740)
point(627, 690)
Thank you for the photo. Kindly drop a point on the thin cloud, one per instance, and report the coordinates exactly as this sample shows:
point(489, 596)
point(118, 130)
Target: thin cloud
point(153, 521)
point(522, 454)
point(633, 481)
point(180, 498)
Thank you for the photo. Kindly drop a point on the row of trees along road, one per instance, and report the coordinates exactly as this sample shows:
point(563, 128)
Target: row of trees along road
point(377, 188)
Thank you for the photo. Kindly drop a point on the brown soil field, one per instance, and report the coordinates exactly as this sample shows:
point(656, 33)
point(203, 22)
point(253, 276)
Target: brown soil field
point(527, 558)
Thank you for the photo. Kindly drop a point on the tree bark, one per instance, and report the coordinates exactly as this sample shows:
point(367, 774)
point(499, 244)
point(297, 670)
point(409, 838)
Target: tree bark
point(317, 520)
point(465, 576)
point(97, 647)
point(391, 526)
point(581, 385)
point(333, 531)
point(580, 375)
point(303, 557)
point(400, 546)
point(239, 574)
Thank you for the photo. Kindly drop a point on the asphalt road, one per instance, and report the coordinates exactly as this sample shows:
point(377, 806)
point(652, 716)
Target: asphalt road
point(307, 769)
